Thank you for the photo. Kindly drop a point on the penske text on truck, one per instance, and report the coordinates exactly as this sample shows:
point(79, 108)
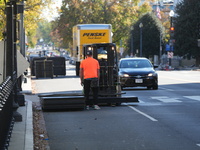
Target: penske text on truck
point(89, 34)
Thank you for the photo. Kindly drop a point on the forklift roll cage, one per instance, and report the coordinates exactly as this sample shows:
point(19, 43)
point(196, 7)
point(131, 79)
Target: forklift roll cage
point(106, 54)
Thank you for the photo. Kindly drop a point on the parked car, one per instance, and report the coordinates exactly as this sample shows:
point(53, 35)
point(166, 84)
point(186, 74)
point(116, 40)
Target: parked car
point(137, 72)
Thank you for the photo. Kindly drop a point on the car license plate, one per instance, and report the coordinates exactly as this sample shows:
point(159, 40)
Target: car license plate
point(138, 80)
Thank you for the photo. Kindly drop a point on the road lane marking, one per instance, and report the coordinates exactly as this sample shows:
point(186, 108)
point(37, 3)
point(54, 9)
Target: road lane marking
point(166, 99)
point(184, 80)
point(142, 113)
point(198, 145)
point(140, 101)
point(197, 98)
point(166, 89)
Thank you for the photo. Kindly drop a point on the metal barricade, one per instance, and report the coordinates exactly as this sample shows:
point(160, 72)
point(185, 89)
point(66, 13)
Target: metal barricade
point(58, 65)
point(6, 113)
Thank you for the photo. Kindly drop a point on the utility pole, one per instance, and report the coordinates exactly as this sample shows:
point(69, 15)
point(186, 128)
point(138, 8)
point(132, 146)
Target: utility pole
point(141, 26)
point(11, 52)
point(21, 28)
point(171, 14)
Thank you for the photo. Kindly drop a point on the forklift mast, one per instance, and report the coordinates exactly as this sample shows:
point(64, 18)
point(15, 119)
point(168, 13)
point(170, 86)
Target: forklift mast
point(106, 54)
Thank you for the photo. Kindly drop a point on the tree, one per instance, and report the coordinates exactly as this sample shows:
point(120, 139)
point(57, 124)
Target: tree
point(44, 30)
point(120, 14)
point(32, 12)
point(151, 34)
point(2, 20)
point(187, 26)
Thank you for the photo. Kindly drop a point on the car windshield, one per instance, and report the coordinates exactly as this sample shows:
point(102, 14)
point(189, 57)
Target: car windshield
point(135, 64)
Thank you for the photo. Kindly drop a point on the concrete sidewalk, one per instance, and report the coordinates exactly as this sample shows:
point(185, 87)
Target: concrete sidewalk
point(22, 134)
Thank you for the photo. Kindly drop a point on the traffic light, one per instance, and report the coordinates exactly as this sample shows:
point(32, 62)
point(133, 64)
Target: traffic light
point(171, 31)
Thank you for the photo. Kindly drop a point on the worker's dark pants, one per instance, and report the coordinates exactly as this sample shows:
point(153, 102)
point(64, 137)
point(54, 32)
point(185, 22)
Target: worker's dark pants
point(87, 88)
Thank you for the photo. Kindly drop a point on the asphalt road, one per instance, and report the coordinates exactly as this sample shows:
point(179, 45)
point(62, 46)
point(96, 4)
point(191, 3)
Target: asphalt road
point(164, 119)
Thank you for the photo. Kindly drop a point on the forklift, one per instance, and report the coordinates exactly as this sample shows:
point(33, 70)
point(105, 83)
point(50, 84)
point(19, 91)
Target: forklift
point(106, 54)
point(109, 85)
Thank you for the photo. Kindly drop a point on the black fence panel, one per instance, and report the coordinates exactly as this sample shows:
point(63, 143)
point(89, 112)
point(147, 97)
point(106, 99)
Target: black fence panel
point(44, 68)
point(58, 65)
point(6, 113)
point(32, 64)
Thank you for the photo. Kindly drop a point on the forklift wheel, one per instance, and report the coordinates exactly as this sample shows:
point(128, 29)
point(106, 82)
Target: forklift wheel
point(118, 104)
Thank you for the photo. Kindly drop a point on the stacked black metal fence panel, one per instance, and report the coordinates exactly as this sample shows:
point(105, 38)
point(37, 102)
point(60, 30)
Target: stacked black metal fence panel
point(44, 68)
point(58, 65)
point(6, 113)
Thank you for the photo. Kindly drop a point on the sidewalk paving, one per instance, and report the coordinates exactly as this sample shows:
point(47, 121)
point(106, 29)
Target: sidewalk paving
point(22, 134)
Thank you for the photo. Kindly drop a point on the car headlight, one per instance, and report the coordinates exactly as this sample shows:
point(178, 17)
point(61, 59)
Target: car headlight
point(124, 75)
point(152, 74)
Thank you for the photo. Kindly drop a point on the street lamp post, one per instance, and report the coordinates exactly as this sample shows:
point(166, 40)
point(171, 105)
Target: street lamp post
point(132, 41)
point(141, 26)
point(171, 14)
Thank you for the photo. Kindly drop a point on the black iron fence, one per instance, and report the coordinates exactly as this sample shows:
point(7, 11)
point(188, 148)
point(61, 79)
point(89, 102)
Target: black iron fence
point(6, 113)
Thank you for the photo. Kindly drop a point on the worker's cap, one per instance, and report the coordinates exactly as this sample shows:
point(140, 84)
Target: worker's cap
point(89, 53)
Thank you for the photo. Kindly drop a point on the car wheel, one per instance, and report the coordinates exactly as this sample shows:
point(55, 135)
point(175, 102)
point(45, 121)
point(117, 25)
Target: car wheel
point(149, 87)
point(155, 87)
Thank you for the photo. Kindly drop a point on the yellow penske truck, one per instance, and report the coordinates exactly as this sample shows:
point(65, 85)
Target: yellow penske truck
point(87, 34)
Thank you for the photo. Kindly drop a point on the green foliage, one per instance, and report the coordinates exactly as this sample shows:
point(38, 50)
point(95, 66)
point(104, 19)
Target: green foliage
point(43, 31)
point(151, 31)
point(2, 21)
point(32, 12)
point(187, 27)
point(121, 14)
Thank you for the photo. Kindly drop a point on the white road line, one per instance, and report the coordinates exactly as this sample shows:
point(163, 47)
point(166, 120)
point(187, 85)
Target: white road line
point(197, 98)
point(198, 145)
point(166, 99)
point(166, 89)
point(138, 111)
point(140, 101)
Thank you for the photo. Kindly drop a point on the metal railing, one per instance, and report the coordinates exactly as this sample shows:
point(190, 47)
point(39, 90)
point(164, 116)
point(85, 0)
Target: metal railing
point(6, 113)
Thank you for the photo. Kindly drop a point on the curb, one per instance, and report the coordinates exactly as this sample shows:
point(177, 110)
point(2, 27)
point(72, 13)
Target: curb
point(29, 127)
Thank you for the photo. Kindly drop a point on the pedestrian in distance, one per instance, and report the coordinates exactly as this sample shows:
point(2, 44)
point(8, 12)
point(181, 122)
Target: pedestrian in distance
point(89, 76)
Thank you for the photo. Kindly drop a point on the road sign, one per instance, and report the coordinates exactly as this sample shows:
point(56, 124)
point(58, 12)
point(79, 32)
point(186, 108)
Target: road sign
point(171, 48)
point(167, 47)
point(170, 54)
